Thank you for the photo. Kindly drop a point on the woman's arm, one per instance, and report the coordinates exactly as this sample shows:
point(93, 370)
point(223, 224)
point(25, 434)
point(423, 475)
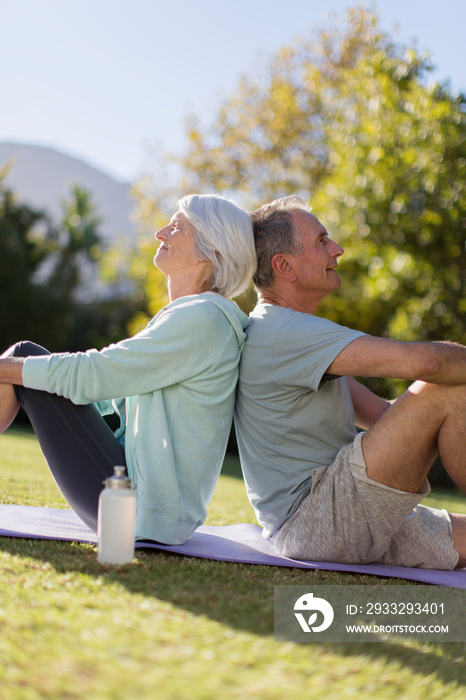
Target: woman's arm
point(178, 346)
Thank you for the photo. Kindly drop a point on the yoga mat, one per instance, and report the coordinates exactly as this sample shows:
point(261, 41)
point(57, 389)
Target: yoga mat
point(241, 543)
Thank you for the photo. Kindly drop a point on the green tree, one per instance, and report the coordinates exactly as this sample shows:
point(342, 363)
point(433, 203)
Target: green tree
point(41, 271)
point(155, 204)
point(347, 120)
point(24, 245)
point(81, 263)
point(77, 244)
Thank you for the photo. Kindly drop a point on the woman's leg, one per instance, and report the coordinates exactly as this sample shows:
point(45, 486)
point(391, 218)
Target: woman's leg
point(79, 447)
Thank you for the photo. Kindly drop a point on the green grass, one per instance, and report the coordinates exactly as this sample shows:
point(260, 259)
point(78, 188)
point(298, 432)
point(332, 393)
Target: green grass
point(174, 627)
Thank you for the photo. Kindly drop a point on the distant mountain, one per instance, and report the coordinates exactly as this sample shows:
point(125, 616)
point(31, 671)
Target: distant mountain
point(41, 177)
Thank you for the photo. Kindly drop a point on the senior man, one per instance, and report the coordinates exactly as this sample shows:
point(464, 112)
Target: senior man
point(322, 490)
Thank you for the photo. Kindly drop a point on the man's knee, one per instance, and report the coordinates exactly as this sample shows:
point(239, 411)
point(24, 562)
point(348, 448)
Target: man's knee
point(443, 395)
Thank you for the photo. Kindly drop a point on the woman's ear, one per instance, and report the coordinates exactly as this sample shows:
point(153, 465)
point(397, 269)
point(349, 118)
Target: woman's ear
point(283, 267)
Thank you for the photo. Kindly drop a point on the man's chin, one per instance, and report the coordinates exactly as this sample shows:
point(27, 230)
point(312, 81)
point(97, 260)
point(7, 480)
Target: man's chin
point(336, 281)
point(333, 275)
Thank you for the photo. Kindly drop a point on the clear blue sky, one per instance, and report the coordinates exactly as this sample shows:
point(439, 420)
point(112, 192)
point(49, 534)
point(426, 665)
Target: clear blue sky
point(105, 80)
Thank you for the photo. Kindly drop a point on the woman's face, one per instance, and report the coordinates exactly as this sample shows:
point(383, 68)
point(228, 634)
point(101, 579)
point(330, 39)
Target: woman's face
point(177, 251)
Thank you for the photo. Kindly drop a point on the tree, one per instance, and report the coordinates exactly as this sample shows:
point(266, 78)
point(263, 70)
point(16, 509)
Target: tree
point(41, 276)
point(81, 263)
point(347, 120)
point(77, 244)
point(24, 245)
point(156, 203)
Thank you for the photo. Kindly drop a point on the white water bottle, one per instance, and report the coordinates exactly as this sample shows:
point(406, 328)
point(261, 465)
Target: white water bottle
point(116, 520)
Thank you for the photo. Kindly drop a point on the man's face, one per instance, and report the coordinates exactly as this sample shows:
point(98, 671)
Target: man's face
point(316, 266)
point(177, 251)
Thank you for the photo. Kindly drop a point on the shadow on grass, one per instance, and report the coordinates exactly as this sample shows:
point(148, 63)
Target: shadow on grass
point(240, 596)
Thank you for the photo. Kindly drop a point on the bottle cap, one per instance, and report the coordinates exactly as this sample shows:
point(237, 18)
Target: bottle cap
point(118, 480)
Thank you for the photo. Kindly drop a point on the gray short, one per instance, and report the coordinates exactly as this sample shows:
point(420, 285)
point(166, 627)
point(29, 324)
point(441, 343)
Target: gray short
point(349, 518)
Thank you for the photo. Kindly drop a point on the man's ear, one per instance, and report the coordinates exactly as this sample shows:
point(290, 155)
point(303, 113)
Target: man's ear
point(283, 267)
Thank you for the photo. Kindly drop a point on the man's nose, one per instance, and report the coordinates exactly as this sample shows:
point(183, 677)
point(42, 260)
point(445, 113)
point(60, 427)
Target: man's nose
point(337, 250)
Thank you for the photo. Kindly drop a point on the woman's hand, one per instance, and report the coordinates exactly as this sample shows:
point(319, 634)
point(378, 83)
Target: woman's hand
point(11, 369)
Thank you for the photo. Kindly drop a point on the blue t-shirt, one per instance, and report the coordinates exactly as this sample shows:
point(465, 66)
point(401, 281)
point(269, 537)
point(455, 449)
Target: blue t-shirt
point(290, 416)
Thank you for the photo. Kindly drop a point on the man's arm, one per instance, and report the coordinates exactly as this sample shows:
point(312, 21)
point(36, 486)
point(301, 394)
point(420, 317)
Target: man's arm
point(368, 407)
point(436, 363)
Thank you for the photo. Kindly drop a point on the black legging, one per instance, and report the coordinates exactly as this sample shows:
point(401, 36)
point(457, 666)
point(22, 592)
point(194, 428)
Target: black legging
point(80, 448)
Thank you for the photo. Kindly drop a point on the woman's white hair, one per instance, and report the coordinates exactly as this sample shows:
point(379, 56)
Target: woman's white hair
point(224, 236)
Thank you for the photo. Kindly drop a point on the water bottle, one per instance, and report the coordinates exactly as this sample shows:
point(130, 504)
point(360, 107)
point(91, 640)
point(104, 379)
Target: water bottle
point(116, 520)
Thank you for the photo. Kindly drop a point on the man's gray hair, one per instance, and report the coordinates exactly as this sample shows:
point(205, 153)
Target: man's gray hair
point(224, 236)
point(274, 233)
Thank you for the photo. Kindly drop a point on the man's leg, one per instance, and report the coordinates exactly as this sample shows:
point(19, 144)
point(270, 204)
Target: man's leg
point(79, 447)
point(458, 526)
point(427, 419)
point(400, 448)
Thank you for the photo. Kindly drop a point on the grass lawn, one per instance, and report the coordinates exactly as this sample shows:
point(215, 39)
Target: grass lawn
point(174, 627)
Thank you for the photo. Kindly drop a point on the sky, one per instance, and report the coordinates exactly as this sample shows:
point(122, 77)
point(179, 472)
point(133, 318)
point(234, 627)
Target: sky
point(112, 81)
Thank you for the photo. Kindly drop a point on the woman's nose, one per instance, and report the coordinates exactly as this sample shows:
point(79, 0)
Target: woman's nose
point(161, 235)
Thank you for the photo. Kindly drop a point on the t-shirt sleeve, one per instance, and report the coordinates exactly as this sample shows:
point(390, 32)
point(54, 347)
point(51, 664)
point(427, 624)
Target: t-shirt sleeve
point(182, 342)
point(304, 348)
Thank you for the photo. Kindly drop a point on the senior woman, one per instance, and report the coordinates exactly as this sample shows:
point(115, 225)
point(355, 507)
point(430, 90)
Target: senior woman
point(172, 385)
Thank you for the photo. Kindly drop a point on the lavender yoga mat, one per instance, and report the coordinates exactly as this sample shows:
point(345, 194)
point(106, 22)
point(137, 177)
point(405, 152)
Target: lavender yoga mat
point(241, 543)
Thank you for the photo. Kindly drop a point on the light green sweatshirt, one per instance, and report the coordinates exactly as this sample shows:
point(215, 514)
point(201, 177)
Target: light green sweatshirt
point(178, 377)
